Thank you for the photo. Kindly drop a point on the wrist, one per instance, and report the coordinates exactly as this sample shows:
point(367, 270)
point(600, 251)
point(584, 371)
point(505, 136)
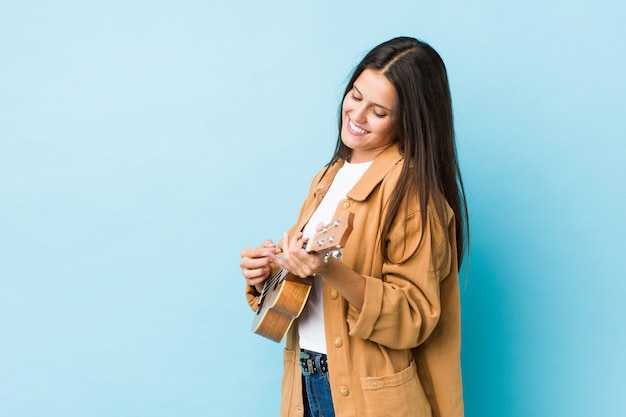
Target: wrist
point(328, 266)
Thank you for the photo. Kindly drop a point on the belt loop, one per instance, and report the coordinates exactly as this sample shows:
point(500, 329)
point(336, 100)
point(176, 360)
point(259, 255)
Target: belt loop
point(313, 363)
point(318, 364)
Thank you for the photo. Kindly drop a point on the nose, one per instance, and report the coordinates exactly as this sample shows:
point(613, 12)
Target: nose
point(358, 113)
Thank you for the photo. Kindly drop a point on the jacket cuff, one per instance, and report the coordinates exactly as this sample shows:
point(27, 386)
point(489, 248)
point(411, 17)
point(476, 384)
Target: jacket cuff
point(252, 296)
point(361, 323)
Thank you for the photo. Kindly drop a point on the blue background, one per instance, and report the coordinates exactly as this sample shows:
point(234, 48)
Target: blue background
point(144, 143)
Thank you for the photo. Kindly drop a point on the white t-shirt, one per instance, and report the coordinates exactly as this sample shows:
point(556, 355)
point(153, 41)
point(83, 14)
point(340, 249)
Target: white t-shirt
point(311, 321)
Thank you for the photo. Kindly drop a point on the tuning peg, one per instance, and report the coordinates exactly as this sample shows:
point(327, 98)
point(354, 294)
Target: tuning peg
point(337, 254)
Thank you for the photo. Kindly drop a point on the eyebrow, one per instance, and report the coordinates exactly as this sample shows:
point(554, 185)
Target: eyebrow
point(375, 104)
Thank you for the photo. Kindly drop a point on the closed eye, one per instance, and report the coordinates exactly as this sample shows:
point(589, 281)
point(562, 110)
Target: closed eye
point(379, 115)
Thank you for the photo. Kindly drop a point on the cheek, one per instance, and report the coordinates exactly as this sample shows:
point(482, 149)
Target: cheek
point(384, 127)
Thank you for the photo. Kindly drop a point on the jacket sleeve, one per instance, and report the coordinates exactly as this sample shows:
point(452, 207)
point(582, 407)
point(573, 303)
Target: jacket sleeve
point(402, 309)
point(252, 296)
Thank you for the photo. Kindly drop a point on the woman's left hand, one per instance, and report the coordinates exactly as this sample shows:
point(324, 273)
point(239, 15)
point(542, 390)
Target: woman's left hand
point(297, 260)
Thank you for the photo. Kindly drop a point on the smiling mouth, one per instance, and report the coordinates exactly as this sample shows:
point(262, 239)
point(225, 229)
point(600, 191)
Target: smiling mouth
point(355, 129)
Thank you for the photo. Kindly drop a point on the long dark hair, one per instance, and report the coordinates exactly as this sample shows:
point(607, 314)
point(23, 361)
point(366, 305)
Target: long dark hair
point(425, 133)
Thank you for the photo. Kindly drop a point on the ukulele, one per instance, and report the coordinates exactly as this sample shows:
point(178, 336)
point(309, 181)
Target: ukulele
point(284, 294)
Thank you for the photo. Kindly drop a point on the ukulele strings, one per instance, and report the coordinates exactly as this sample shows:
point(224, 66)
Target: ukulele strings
point(273, 280)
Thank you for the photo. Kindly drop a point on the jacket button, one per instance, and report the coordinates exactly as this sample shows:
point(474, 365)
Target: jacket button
point(346, 204)
point(338, 342)
point(333, 293)
point(343, 390)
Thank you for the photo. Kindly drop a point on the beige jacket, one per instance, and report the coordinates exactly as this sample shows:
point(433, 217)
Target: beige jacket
point(400, 355)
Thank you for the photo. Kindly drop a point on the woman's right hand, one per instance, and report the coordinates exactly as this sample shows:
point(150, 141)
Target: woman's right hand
point(255, 263)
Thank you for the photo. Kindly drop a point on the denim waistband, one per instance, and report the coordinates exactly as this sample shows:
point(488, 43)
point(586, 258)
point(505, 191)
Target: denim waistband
point(313, 362)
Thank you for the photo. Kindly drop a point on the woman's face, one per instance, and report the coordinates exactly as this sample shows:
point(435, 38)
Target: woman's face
point(367, 116)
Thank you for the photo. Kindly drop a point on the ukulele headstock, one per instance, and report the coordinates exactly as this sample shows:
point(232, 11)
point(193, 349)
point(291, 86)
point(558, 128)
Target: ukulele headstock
point(333, 235)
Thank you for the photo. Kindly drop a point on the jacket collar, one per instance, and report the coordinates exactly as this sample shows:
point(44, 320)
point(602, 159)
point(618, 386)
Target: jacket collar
point(375, 173)
point(372, 177)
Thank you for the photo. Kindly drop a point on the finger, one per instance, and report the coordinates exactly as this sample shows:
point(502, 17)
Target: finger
point(304, 242)
point(259, 273)
point(281, 261)
point(297, 242)
point(254, 253)
point(254, 263)
point(254, 281)
point(270, 247)
point(268, 244)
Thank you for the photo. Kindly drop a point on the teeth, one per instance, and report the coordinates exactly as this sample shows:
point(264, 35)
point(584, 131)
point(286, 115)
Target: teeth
point(356, 128)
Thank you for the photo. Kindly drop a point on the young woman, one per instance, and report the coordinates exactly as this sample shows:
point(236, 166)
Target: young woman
point(380, 334)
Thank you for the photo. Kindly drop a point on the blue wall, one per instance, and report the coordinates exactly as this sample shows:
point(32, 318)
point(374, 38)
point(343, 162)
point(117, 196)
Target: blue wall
point(144, 143)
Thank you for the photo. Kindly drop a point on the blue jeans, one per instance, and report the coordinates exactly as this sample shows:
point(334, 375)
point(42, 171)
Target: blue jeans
point(318, 401)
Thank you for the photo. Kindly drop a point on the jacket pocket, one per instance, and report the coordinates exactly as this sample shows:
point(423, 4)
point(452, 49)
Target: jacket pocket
point(397, 395)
